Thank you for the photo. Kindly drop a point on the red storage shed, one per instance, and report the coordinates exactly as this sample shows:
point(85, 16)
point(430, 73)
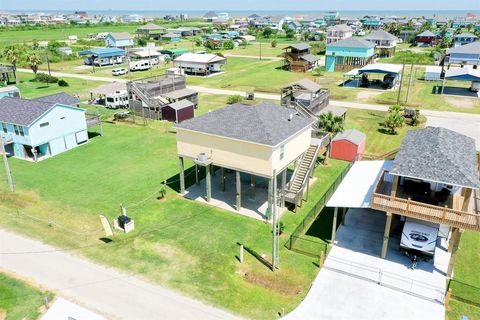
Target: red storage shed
point(348, 145)
point(178, 111)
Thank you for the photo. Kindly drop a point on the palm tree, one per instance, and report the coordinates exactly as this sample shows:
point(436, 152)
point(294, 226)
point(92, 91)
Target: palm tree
point(12, 55)
point(330, 123)
point(34, 61)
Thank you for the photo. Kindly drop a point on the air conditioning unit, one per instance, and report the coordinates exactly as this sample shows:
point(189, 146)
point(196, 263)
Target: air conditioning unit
point(202, 157)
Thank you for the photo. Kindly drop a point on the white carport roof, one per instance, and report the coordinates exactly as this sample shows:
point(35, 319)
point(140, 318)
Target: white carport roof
point(200, 58)
point(145, 53)
point(355, 190)
point(388, 68)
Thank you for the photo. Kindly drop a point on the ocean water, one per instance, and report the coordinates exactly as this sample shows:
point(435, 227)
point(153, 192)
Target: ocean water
point(292, 13)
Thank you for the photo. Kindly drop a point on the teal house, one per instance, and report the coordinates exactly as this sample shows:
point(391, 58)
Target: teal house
point(40, 128)
point(348, 54)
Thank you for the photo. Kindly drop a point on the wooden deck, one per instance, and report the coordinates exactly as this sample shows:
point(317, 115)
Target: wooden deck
point(383, 201)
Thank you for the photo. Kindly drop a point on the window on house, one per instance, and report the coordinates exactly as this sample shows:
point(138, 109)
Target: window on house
point(45, 124)
point(282, 152)
point(20, 130)
point(15, 128)
point(4, 127)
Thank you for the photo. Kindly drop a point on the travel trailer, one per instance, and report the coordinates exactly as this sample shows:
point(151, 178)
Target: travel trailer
point(140, 65)
point(117, 100)
point(420, 236)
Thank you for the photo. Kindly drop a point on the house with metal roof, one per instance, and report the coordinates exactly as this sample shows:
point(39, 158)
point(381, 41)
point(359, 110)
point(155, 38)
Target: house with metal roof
point(468, 54)
point(258, 144)
point(464, 38)
point(200, 64)
point(151, 31)
point(35, 129)
point(338, 32)
point(298, 58)
point(119, 40)
point(385, 42)
point(348, 54)
point(103, 56)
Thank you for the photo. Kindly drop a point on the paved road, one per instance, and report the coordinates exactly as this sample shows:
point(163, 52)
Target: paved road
point(104, 290)
point(465, 123)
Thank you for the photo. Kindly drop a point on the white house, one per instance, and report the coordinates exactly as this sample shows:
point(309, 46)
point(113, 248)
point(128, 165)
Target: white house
point(196, 63)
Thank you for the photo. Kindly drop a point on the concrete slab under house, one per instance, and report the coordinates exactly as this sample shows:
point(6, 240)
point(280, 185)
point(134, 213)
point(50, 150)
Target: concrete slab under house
point(254, 164)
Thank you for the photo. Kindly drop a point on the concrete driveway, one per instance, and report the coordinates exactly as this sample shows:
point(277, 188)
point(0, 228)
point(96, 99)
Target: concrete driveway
point(355, 283)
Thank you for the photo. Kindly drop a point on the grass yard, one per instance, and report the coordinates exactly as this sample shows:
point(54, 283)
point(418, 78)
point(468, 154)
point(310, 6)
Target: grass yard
point(466, 282)
point(174, 243)
point(367, 121)
point(20, 301)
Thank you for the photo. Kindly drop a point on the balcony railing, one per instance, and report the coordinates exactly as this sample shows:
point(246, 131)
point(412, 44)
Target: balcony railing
point(423, 211)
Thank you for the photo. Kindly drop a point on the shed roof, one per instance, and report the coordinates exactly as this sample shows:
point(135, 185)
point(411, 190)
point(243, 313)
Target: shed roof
point(181, 104)
point(310, 58)
point(439, 155)
point(61, 97)
point(380, 34)
point(199, 58)
point(299, 46)
point(103, 52)
point(264, 123)
point(306, 84)
point(352, 42)
point(352, 135)
point(426, 33)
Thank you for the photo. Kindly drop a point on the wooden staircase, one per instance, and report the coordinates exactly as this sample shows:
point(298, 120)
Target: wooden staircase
point(300, 178)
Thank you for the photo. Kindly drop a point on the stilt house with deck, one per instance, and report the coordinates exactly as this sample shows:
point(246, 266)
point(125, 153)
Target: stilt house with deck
point(298, 58)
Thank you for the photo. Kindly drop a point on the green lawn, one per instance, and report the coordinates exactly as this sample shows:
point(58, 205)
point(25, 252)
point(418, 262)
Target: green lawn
point(177, 242)
point(19, 301)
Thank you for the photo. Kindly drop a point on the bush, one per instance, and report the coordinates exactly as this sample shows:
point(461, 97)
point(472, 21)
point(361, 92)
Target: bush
point(45, 78)
point(62, 83)
point(236, 98)
point(274, 43)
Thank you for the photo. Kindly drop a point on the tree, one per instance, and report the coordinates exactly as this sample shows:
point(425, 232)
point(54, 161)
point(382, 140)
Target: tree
point(12, 55)
point(198, 42)
point(267, 32)
point(394, 119)
point(228, 44)
point(142, 42)
point(330, 123)
point(34, 61)
point(236, 98)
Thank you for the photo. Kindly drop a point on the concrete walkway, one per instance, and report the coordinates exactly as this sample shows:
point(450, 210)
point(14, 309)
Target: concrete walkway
point(465, 123)
point(106, 291)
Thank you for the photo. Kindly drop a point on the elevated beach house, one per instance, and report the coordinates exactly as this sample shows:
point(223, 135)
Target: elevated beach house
point(385, 43)
point(426, 38)
point(464, 38)
point(338, 32)
point(200, 64)
point(349, 54)
point(468, 54)
point(119, 40)
point(151, 31)
point(39, 128)
point(298, 58)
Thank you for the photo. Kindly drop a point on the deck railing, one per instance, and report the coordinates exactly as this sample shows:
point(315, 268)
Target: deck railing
point(424, 211)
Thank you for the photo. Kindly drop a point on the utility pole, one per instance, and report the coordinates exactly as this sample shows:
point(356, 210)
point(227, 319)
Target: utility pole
point(7, 166)
point(48, 63)
point(401, 81)
point(260, 47)
point(409, 83)
point(275, 225)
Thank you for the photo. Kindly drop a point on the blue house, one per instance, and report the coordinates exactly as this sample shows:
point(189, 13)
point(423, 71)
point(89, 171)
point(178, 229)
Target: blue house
point(39, 128)
point(464, 38)
point(172, 37)
point(119, 40)
point(348, 54)
point(468, 54)
point(372, 23)
point(103, 56)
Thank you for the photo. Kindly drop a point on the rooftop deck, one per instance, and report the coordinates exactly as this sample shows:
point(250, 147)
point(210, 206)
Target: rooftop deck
point(444, 212)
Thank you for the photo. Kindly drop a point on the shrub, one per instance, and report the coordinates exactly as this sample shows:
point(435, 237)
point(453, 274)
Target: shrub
point(62, 83)
point(236, 98)
point(274, 43)
point(43, 77)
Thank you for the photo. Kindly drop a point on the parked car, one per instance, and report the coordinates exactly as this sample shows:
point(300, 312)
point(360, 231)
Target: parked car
point(119, 71)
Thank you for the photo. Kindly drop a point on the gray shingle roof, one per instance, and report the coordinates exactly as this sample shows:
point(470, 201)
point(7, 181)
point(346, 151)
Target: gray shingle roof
point(62, 98)
point(466, 35)
point(22, 111)
point(440, 155)
point(265, 123)
point(341, 27)
point(471, 48)
point(426, 33)
point(150, 26)
point(381, 35)
point(299, 46)
point(309, 58)
point(352, 135)
point(121, 35)
point(352, 42)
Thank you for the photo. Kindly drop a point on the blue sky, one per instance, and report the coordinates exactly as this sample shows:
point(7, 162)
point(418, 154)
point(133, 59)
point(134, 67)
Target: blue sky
point(164, 5)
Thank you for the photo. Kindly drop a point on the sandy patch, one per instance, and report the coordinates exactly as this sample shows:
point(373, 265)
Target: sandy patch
point(3, 314)
point(467, 103)
point(365, 95)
